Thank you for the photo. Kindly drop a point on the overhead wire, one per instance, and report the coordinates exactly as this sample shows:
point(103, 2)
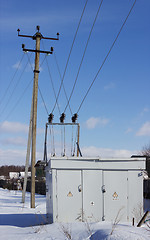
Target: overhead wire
point(72, 154)
point(43, 100)
point(84, 54)
point(52, 141)
point(62, 83)
point(29, 61)
point(51, 79)
point(5, 107)
point(18, 66)
point(19, 99)
point(53, 86)
point(106, 57)
point(69, 55)
point(64, 153)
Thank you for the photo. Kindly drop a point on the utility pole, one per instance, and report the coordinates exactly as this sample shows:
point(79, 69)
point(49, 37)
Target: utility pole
point(37, 36)
point(27, 154)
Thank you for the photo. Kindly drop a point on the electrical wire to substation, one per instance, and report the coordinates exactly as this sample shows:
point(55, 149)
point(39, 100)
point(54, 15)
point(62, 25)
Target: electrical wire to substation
point(53, 86)
point(62, 83)
point(84, 54)
point(73, 141)
point(69, 55)
point(12, 93)
point(52, 83)
point(18, 66)
point(43, 100)
point(52, 141)
point(105, 58)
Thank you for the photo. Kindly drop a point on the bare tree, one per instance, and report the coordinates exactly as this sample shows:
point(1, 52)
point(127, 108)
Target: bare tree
point(146, 152)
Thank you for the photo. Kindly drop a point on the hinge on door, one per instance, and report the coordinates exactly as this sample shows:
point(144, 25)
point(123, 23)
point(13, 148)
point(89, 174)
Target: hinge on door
point(103, 189)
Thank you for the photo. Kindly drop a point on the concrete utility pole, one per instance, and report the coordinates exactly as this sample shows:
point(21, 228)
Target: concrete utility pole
point(38, 36)
point(27, 154)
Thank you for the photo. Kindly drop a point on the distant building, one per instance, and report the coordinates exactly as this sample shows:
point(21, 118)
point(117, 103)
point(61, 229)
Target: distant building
point(2, 177)
point(13, 175)
point(16, 175)
point(22, 174)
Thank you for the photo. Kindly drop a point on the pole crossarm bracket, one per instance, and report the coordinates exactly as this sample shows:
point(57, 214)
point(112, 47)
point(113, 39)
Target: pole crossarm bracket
point(34, 37)
point(37, 34)
point(39, 51)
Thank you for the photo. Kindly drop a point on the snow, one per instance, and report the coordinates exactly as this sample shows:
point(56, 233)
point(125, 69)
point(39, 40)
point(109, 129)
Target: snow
point(19, 221)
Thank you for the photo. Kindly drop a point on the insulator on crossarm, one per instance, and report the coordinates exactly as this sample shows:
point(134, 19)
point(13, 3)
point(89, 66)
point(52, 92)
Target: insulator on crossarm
point(74, 117)
point(50, 118)
point(62, 117)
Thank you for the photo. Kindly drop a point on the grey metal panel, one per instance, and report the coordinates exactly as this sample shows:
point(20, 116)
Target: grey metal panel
point(49, 196)
point(135, 195)
point(115, 197)
point(69, 196)
point(111, 164)
point(92, 195)
point(54, 195)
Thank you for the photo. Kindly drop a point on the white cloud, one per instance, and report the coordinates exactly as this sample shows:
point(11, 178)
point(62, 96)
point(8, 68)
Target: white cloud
point(129, 130)
point(15, 157)
point(17, 128)
point(144, 130)
point(93, 122)
point(146, 109)
point(17, 65)
point(13, 127)
point(19, 141)
point(12, 157)
point(109, 86)
point(106, 152)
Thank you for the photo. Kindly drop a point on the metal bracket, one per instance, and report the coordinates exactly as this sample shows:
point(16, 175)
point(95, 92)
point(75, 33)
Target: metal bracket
point(103, 189)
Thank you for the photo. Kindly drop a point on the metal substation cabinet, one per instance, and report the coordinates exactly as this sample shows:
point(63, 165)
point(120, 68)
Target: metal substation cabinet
point(92, 190)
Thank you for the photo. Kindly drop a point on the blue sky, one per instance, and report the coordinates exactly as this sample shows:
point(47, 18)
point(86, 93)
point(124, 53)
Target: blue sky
point(115, 117)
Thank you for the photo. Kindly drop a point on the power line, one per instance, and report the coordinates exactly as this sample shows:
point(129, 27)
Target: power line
point(106, 57)
point(25, 89)
point(53, 86)
point(19, 100)
point(40, 90)
point(62, 83)
point(13, 90)
point(30, 62)
point(4, 95)
point(83, 55)
point(51, 79)
point(43, 100)
point(69, 55)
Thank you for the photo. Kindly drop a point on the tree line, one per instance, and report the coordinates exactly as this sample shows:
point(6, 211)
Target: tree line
point(4, 170)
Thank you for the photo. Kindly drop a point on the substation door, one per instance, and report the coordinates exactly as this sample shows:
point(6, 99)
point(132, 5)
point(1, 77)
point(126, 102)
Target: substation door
point(69, 195)
point(92, 195)
point(79, 195)
point(115, 195)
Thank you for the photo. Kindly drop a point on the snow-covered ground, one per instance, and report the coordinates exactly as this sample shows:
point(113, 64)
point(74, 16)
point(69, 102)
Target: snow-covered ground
point(19, 221)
